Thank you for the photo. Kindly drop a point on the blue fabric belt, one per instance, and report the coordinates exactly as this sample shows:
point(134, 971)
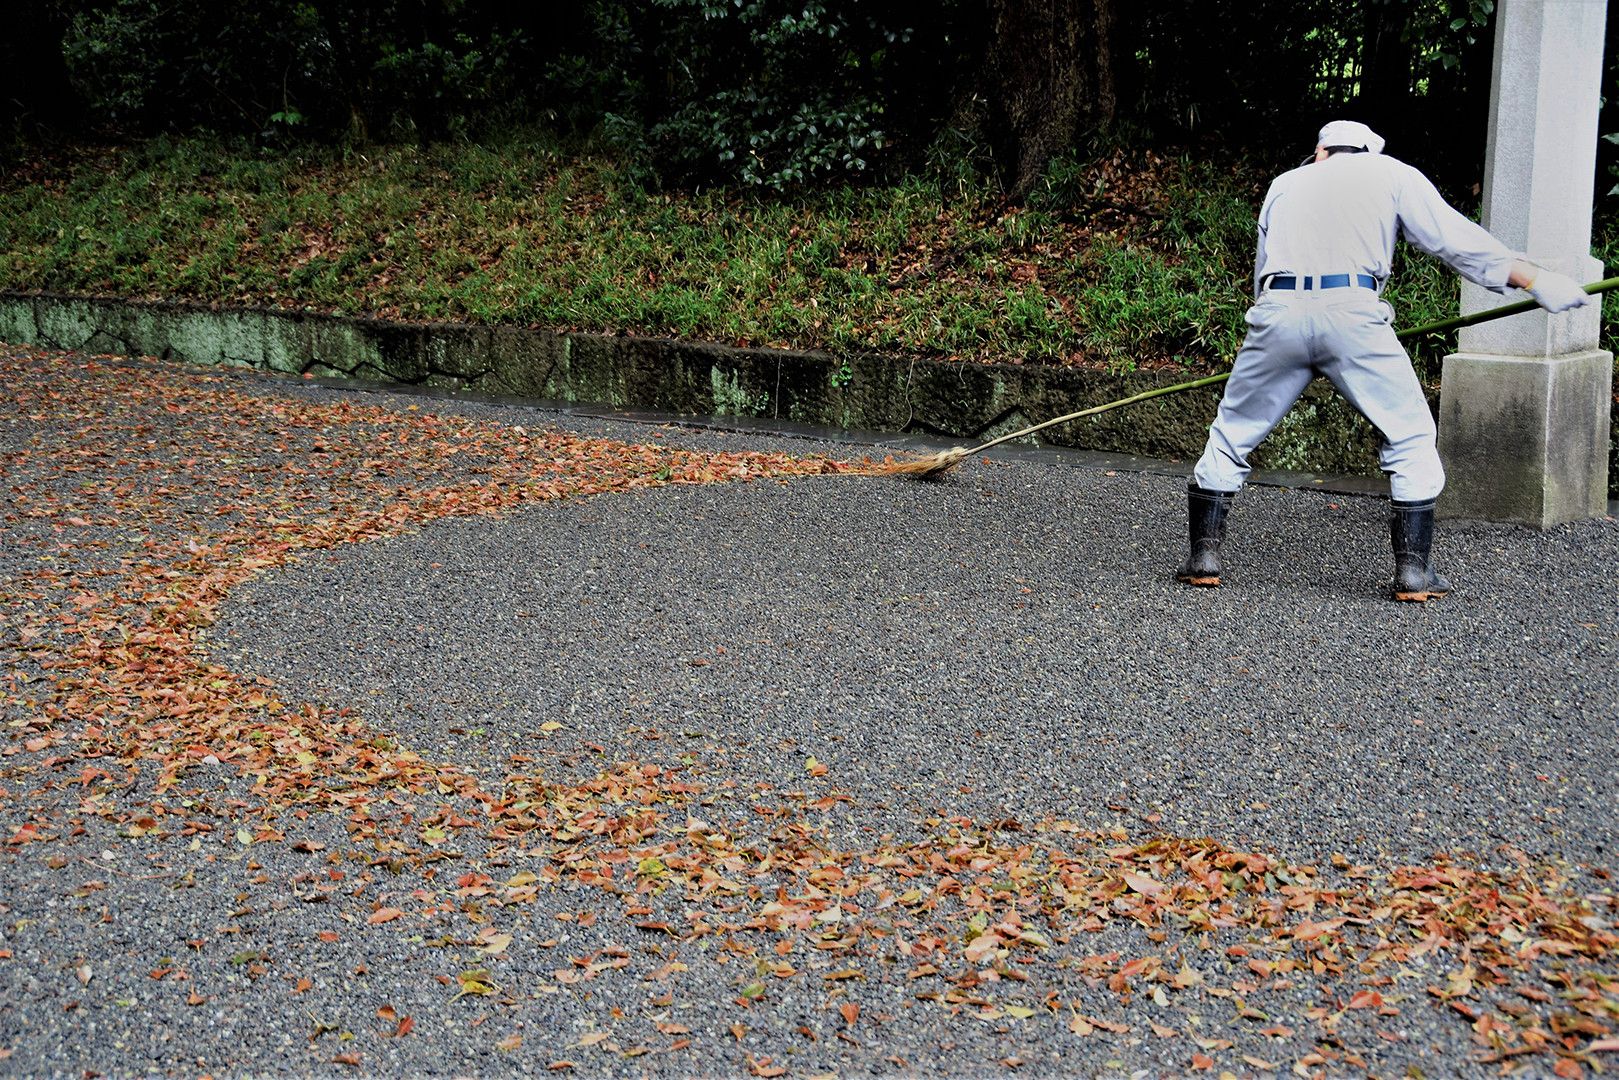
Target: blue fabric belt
point(1328, 281)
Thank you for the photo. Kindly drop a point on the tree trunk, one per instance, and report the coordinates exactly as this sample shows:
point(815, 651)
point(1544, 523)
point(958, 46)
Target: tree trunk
point(34, 85)
point(352, 68)
point(1385, 80)
point(1048, 70)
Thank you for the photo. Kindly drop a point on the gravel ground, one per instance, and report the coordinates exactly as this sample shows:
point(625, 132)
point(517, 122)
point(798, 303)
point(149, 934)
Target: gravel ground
point(1007, 646)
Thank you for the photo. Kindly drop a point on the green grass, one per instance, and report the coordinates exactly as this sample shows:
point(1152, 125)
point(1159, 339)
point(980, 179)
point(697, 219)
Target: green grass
point(1123, 259)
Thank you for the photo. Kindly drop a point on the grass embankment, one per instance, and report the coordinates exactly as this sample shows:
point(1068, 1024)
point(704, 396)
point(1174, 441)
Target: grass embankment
point(1125, 260)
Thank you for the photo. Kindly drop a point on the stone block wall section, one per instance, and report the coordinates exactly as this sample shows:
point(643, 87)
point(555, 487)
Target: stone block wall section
point(1323, 434)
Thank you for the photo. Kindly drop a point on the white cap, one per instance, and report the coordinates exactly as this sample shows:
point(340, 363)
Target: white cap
point(1352, 134)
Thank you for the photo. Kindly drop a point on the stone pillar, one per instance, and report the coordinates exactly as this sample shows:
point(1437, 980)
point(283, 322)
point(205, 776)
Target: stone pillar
point(1524, 408)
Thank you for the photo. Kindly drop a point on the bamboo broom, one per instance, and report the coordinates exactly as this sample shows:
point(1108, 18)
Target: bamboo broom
point(932, 468)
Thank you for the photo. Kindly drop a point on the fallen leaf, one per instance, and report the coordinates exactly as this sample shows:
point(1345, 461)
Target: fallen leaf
point(1142, 884)
point(382, 915)
point(510, 1042)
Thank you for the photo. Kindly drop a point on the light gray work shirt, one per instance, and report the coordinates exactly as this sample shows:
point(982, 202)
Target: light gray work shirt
point(1341, 216)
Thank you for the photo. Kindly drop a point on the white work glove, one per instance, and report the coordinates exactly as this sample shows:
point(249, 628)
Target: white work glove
point(1556, 292)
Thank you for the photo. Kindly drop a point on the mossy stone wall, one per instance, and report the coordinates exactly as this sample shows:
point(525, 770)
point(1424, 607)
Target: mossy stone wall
point(1322, 434)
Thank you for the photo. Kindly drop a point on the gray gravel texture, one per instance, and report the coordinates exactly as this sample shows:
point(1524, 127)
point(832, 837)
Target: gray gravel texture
point(1008, 644)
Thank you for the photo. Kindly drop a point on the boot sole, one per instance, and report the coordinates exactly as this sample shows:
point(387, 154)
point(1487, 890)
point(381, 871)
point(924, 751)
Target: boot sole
point(1201, 582)
point(1417, 597)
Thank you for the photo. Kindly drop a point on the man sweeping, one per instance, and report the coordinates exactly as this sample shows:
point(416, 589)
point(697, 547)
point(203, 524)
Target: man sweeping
point(1326, 245)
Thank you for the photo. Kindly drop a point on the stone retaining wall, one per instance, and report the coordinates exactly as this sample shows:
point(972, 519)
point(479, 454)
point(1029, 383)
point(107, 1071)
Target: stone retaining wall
point(966, 400)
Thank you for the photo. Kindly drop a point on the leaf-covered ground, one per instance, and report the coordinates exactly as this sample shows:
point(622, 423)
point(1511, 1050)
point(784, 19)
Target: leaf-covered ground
point(138, 496)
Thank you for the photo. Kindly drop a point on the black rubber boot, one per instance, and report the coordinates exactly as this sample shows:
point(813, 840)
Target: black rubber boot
point(1411, 533)
point(1205, 526)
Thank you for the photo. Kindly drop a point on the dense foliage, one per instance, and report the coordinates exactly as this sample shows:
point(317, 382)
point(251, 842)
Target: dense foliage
point(757, 92)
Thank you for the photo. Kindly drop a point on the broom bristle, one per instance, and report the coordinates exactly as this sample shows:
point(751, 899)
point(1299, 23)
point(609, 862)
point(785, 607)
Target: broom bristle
point(928, 468)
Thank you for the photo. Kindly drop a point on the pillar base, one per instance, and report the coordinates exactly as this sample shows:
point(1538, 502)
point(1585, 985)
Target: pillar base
point(1525, 440)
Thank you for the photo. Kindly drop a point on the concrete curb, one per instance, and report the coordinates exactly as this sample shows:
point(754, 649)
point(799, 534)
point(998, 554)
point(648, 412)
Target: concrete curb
point(1322, 436)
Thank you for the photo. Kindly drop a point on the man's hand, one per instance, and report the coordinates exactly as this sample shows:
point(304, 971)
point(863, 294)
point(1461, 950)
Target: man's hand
point(1557, 292)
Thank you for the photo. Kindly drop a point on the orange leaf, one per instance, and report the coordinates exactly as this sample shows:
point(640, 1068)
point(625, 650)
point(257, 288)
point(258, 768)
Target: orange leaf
point(560, 1065)
point(1143, 884)
point(328, 935)
point(303, 984)
point(350, 1058)
point(382, 915)
point(1202, 1061)
point(850, 1011)
point(1568, 1068)
point(1366, 999)
point(405, 1025)
point(510, 1042)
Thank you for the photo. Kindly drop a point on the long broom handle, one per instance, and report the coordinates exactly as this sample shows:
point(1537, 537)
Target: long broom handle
point(1429, 328)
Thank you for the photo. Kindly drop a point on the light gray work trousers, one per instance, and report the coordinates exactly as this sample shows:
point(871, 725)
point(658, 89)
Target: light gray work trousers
point(1344, 334)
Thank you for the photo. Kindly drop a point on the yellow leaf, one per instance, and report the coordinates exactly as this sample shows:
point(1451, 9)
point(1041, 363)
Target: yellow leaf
point(550, 725)
point(497, 945)
point(1022, 1012)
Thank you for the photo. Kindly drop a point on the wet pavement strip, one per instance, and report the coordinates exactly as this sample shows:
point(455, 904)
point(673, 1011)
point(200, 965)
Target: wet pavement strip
point(873, 663)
